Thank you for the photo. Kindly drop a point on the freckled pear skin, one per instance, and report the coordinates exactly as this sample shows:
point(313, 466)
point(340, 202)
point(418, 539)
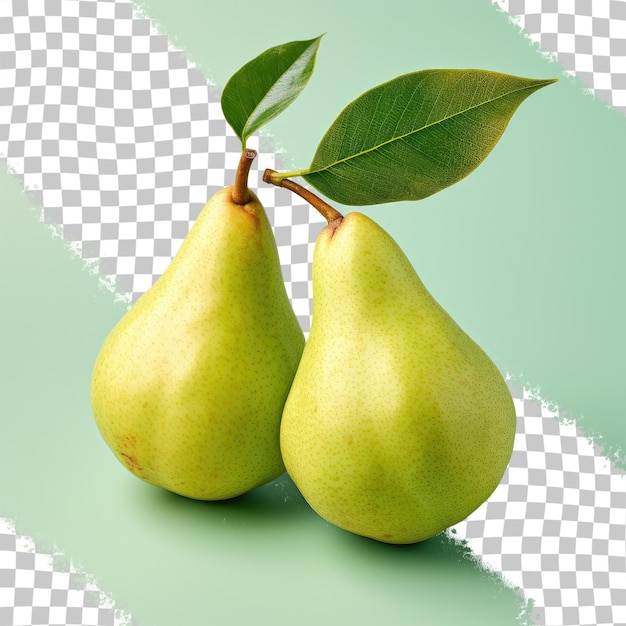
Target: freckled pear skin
point(189, 387)
point(397, 424)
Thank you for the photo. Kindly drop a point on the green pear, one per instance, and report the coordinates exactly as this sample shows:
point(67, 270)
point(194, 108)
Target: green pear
point(397, 424)
point(189, 387)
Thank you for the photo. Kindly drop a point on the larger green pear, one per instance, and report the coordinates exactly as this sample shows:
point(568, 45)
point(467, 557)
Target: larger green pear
point(189, 387)
point(397, 424)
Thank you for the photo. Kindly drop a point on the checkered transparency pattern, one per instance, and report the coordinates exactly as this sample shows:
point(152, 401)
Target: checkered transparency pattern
point(121, 141)
point(40, 587)
point(587, 37)
point(556, 525)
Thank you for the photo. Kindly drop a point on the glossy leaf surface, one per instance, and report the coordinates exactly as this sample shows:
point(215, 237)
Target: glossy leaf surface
point(267, 85)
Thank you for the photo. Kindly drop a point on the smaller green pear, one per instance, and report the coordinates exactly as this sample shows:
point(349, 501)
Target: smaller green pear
point(397, 424)
point(189, 387)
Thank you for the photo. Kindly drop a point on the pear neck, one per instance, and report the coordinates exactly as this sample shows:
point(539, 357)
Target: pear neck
point(334, 224)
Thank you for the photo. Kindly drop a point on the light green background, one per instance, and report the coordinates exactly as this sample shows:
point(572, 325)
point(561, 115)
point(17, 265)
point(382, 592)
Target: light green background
point(526, 254)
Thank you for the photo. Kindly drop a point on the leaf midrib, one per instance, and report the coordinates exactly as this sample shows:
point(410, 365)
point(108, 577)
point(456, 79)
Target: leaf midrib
point(260, 102)
point(417, 130)
point(250, 117)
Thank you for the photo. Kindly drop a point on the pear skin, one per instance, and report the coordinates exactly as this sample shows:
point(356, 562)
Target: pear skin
point(189, 387)
point(397, 424)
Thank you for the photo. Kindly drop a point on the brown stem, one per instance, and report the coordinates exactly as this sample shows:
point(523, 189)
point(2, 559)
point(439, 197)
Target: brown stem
point(330, 213)
point(241, 193)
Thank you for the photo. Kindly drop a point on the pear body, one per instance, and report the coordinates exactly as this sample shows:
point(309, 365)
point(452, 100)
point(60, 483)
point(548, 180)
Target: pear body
point(397, 424)
point(189, 387)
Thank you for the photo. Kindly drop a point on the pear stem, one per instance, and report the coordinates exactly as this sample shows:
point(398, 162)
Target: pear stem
point(330, 213)
point(241, 193)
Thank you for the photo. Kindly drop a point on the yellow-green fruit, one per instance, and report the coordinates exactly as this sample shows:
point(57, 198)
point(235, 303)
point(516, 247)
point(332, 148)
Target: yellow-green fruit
point(397, 424)
point(189, 387)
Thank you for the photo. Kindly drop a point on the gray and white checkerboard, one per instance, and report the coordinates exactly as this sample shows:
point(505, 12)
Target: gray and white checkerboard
point(40, 587)
point(587, 37)
point(556, 525)
point(121, 141)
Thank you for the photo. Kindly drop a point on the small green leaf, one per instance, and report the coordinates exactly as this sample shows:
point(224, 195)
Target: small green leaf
point(267, 85)
point(415, 135)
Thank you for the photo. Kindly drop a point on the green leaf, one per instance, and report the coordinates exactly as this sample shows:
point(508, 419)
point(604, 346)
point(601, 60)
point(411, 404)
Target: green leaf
point(415, 135)
point(267, 85)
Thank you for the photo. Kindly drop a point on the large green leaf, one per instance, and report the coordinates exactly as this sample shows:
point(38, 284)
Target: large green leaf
point(415, 135)
point(267, 85)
